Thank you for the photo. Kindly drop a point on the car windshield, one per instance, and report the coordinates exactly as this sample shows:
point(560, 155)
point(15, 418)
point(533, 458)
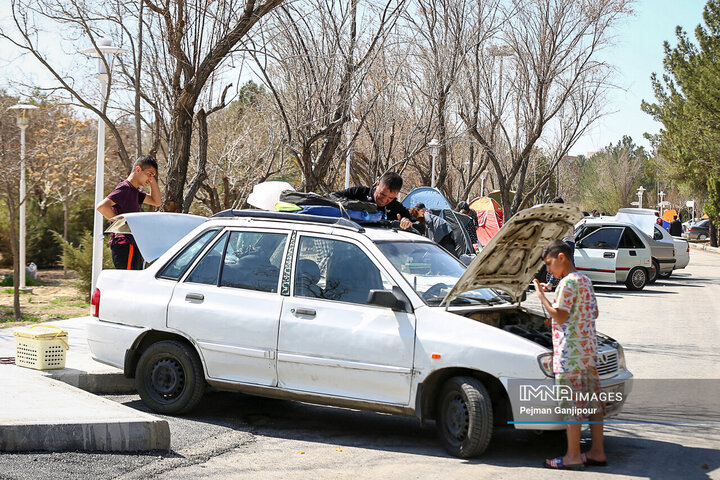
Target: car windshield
point(432, 272)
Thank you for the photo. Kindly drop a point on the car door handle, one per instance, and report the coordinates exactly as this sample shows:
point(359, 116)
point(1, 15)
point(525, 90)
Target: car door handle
point(303, 312)
point(194, 297)
point(609, 255)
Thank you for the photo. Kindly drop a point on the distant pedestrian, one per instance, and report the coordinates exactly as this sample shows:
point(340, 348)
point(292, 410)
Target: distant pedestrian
point(574, 357)
point(471, 228)
point(128, 198)
point(675, 227)
point(418, 212)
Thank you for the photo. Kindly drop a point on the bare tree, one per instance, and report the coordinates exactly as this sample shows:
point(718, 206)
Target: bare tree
point(549, 93)
point(320, 55)
point(9, 188)
point(444, 32)
point(183, 44)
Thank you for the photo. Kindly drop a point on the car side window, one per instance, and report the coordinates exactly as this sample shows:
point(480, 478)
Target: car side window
point(252, 261)
point(208, 268)
point(336, 270)
point(657, 234)
point(603, 238)
point(177, 266)
point(630, 239)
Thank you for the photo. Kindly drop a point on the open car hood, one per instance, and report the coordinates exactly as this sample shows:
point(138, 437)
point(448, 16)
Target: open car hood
point(512, 258)
point(155, 232)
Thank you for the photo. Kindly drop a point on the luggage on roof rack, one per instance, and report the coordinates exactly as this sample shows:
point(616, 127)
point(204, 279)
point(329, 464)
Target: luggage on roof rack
point(295, 217)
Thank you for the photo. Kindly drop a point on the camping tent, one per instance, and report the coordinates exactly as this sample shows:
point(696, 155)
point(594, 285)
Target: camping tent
point(438, 205)
point(490, 218)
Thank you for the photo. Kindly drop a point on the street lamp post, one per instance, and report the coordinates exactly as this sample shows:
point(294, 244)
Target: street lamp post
point(662, 197)
point(482, 183)
point(434, 147)
point(640, 196)
point(22, 112)
point(105, 53)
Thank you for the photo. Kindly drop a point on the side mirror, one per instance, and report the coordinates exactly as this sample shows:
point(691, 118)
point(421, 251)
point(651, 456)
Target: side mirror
point(395, 300)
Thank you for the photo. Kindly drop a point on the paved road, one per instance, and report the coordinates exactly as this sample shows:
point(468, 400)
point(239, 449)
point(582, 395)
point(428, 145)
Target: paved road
point(671, 333)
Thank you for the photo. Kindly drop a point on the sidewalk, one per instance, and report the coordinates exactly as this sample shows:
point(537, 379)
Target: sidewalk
point(704, 246)
point(52, 410)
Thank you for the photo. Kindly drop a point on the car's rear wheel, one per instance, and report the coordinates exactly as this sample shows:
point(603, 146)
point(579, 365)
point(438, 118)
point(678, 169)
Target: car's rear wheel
point(169, 377)
point(465, 417)
point(637, 279)
point(702, 237)
point(654, 272)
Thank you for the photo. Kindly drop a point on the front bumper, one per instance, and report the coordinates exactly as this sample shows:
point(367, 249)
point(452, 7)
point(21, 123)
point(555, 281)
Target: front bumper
point(532, 410)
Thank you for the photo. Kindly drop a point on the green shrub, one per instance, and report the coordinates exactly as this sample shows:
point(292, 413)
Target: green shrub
point(7, 281)
point(80, 259)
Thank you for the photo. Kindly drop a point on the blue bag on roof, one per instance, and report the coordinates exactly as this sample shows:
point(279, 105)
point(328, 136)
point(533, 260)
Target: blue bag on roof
point(321, 210)
point(328, 211)
point(364, 216)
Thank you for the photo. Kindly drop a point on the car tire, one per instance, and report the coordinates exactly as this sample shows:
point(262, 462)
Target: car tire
point(169, 377)
point(654, 272)
point(702, 237)
point(637, 279)
point(465, 417)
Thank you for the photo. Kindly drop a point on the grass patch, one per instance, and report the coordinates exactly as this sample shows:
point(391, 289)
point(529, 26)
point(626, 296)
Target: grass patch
point(69, 302)
point(7, 281)
point(6, 315)
point(12, 290)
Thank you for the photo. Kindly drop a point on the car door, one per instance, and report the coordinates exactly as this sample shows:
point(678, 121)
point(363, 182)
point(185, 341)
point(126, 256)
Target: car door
point(229, 306)
point(331, 342)
point(596, 254)
point(631, 253)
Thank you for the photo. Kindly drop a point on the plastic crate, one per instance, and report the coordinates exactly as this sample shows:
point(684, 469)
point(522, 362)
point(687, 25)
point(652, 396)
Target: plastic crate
point(41, 347)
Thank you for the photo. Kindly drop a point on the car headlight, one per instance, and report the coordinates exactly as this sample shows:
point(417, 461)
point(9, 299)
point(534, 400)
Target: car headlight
point(546, 363)
point(621, 358)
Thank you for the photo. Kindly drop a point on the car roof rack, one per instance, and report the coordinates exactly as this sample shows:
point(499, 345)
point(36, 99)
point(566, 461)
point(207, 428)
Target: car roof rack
point(295, 217)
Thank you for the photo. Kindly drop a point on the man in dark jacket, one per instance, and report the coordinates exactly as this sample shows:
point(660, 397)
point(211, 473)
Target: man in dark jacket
point(675, 227)
point(384, 194)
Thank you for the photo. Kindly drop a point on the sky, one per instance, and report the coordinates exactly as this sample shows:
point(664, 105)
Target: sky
point(636, 53)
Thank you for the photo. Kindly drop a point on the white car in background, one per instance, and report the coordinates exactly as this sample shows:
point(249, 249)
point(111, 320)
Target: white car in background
point(323, 310)
point(608, 251)
point(645, 219)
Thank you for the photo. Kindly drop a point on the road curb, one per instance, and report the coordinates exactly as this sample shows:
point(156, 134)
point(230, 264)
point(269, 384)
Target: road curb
point(44, 414)
point(703, 247)
point(100, 383)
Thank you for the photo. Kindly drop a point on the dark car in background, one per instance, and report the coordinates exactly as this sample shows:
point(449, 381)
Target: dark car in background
point(700, 231)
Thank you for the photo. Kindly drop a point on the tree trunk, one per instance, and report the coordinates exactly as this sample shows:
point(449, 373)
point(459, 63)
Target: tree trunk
point(66, 208)
point(180, 141)
point(713, 235)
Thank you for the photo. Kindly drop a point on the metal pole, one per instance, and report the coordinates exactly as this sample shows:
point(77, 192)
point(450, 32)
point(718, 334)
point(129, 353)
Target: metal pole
point(432, 170)
point(23, 199)
point(99, 190)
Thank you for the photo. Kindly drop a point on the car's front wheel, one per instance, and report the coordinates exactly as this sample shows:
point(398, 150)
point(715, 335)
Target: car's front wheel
point(637, 279)
point(169, 377)
point(465, 417)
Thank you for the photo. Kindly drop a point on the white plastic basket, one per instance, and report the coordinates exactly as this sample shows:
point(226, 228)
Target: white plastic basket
point(41, 347)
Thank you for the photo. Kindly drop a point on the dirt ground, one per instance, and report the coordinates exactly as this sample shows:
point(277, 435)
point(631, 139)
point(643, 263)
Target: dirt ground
point(55, 299)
